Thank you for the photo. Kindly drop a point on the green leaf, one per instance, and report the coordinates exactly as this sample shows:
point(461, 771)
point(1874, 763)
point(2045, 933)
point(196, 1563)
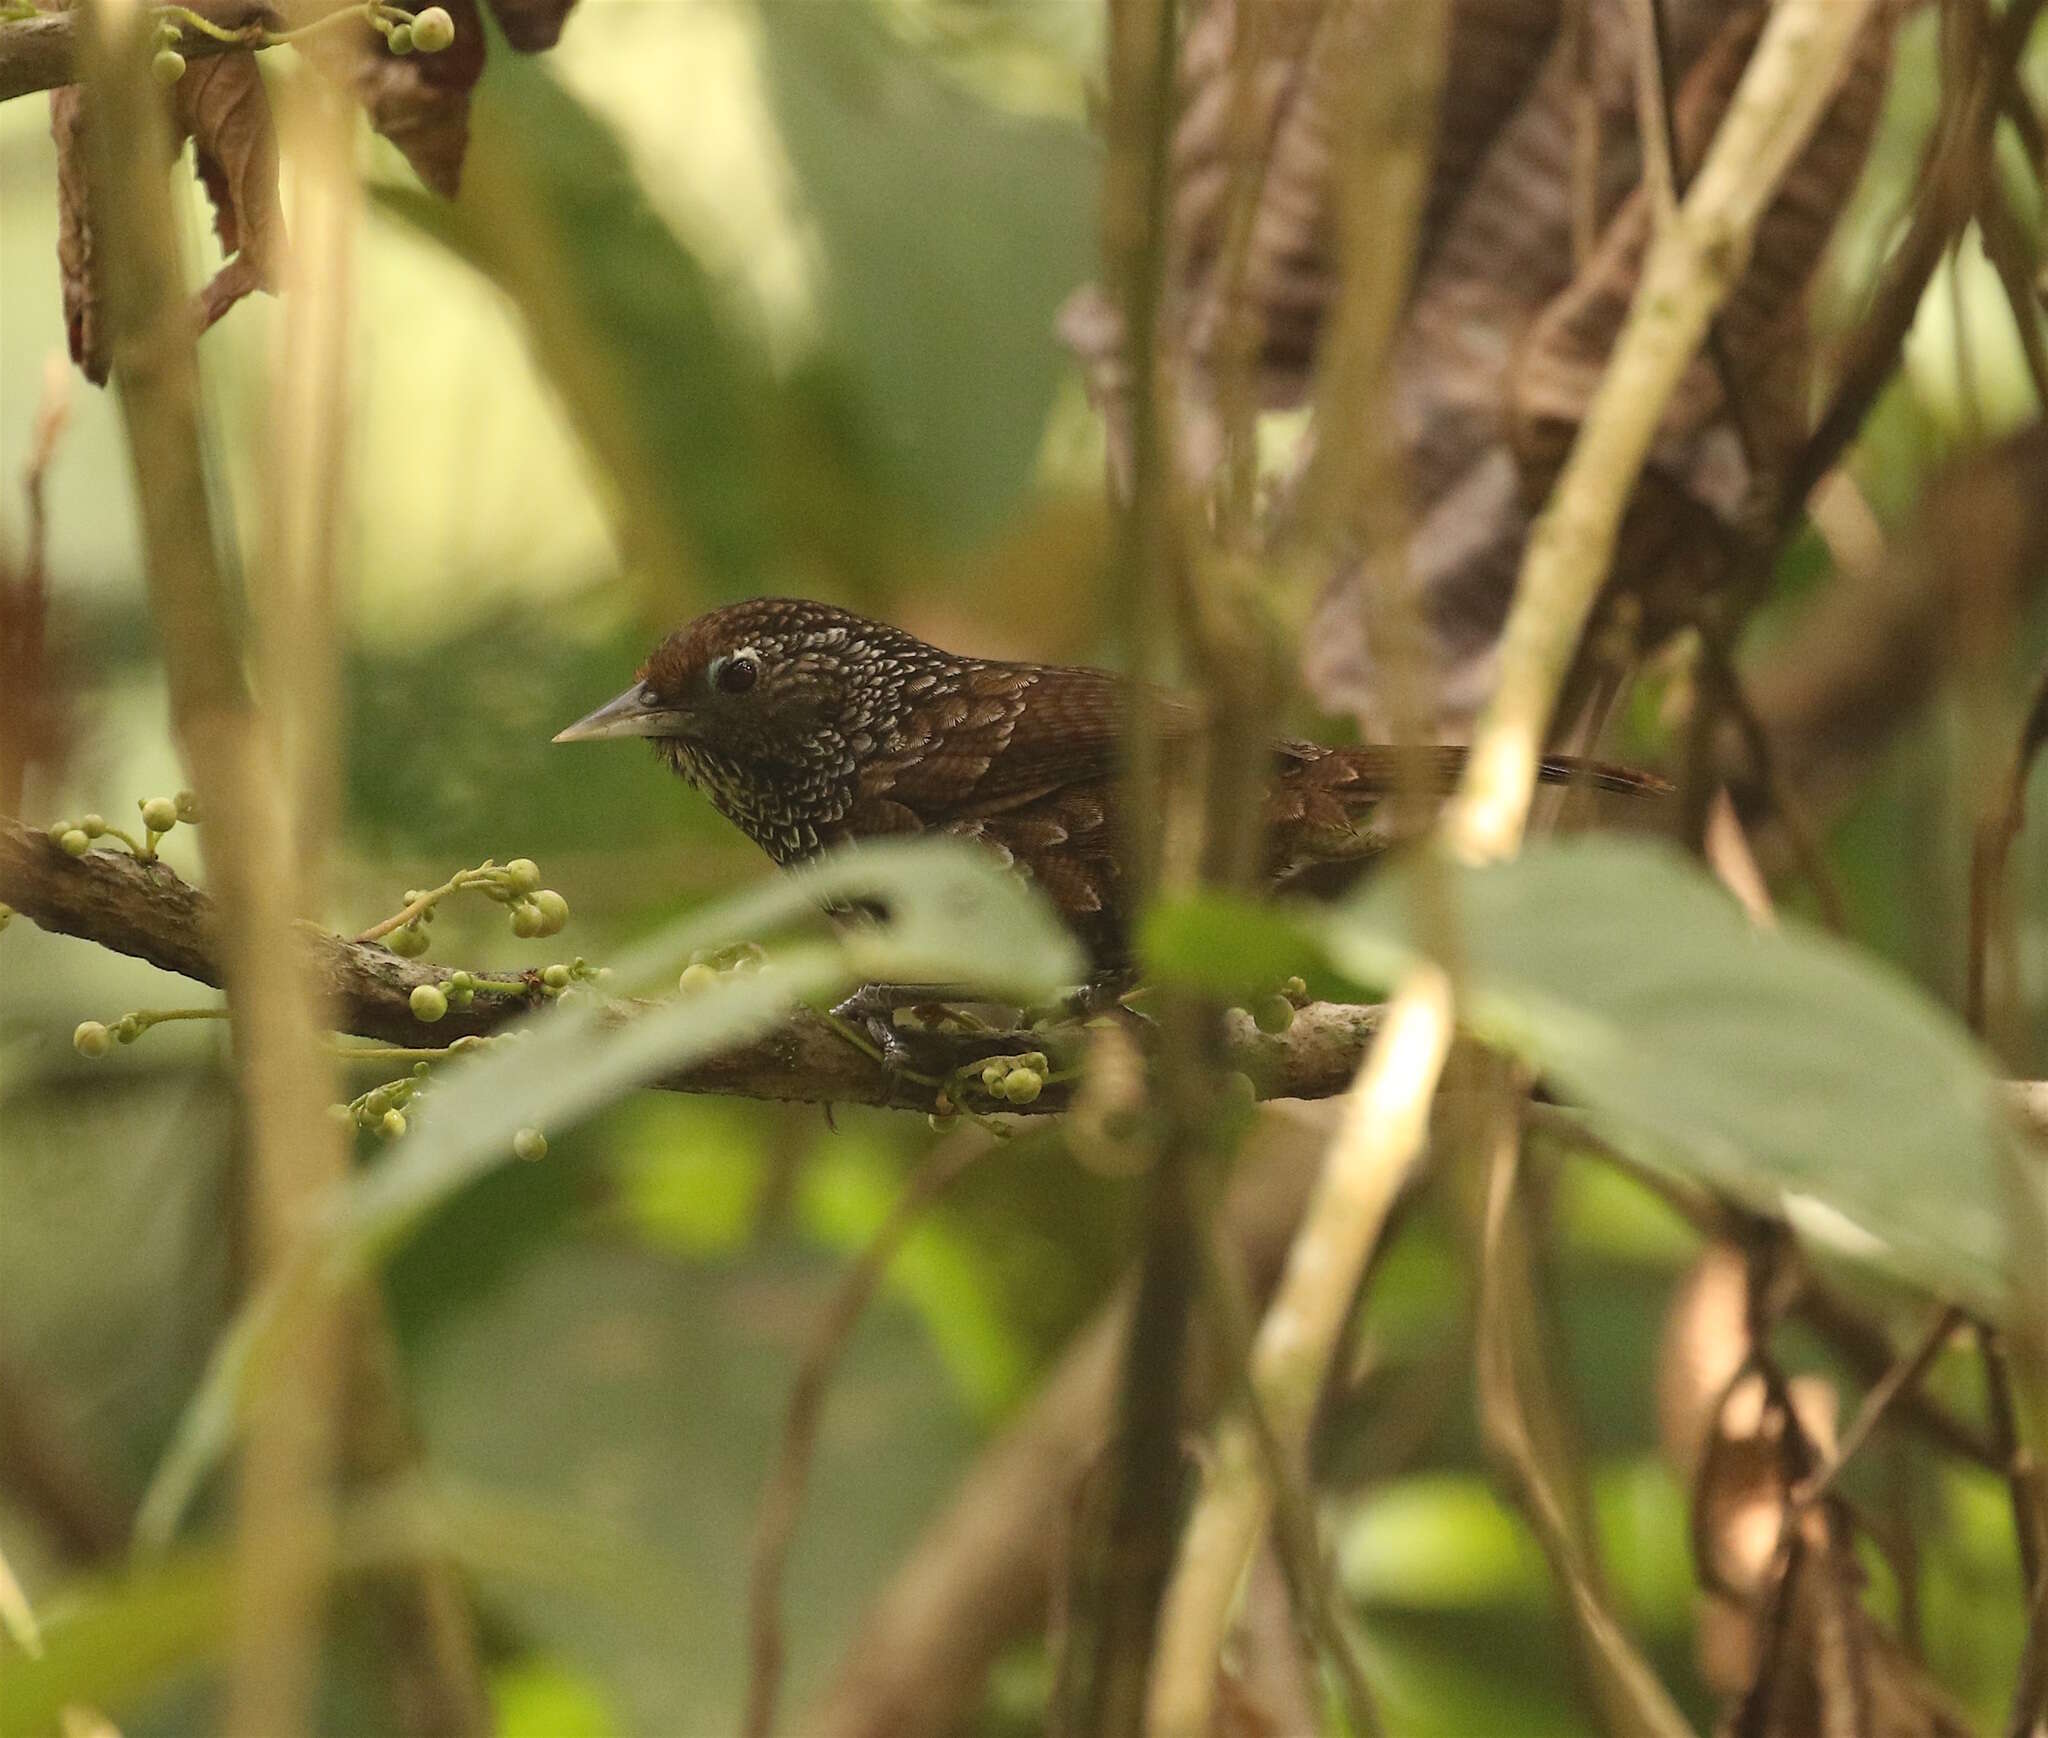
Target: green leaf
point(1224, 945)
point(680, 409)
point(109, 1642)
point(952, 232)
point(951, 915)
point(1784, 1069)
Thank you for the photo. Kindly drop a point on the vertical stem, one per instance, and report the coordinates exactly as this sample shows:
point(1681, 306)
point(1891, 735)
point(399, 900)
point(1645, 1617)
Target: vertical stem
point(281, 1548)
point(1146, 1475)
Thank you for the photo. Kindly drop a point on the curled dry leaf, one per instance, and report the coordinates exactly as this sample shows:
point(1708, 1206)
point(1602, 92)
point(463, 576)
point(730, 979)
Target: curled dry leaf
point(1505, 344)
point(420, 102)
point(1825, 1665)
point(222, 105)
point(1506, 329)
point(83, 329)
point(531, 25)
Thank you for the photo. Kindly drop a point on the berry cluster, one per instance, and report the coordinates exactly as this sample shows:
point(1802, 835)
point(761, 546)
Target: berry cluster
point(159, 816)
point(427, 32)
point(533, 910)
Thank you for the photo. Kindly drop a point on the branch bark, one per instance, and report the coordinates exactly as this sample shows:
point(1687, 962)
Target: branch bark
point(41, 53)
point(147, 911)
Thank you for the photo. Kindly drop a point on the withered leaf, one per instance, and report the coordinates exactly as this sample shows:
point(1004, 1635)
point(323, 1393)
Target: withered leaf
point(531, 25)
point(1505, 342)
point(420, 102)
point(1532, 240)
point(83, 328)
point(222, 105)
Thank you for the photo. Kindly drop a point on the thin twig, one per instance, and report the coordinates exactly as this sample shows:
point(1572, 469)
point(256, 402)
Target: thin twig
point(1688, 274)
point(296, 1150)
point(782, 1500)
point(1787, 803)
point(2005, 246)
point(1902, 1378)
point(1381, 1135)
point(1957, 161)
point(1513, 1385)
point(1991, 846)
point(1310, 1577)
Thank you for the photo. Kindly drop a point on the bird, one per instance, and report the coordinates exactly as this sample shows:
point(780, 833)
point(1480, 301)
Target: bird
point(808, 727)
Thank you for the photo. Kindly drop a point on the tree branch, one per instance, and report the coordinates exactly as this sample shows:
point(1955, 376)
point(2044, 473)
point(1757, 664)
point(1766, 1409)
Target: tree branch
point(145, 910)
point(41, 53)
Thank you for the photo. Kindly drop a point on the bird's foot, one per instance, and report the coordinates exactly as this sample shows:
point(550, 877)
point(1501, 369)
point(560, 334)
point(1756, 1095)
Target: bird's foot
point(921, 1052)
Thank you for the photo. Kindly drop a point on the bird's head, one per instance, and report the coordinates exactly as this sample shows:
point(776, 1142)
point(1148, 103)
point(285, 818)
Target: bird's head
point(754, 682)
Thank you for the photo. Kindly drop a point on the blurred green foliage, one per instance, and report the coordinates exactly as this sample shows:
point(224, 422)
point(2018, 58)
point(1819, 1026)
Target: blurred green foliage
point(739, 298)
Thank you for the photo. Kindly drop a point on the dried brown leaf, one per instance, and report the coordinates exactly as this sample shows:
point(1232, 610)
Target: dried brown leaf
point(1505, 344)
point(420, 102)
point(532, 25)
point(222, 105)
point(84, 331)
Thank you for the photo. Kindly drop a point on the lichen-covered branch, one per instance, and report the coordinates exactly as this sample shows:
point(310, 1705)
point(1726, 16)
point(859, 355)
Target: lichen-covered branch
point(146, 911)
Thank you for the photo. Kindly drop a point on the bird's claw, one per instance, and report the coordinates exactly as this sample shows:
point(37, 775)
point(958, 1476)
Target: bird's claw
point(871, 1010)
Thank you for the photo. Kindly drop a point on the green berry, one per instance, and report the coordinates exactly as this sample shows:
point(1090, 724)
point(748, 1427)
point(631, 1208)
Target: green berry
point(93, 826)
point(697, 976)
point(401, 39)
point(1273, 1014)
point(992, 1076)
point(429, 1002)
point(159, 814)
point(523, 875)
point(529, 1143)
point(391, 1124)
point(433, 30)
point(553, 908)
point(56, 831)
point(91, 1039)
point(76, 842)
point(556, 977)
point(167, 66)
point(527, 921)
point(187, 806)
point(408, 943)
point(127, 1029)
point(1022, 1085)
point(460, 998)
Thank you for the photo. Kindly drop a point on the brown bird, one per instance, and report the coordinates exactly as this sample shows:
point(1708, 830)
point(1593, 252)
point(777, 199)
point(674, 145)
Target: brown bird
point(808, 726)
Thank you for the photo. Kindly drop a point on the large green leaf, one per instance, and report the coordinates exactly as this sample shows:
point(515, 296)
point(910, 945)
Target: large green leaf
point(949, 915)
point(681, 409)
point(951, 232)
point(1781, 1067)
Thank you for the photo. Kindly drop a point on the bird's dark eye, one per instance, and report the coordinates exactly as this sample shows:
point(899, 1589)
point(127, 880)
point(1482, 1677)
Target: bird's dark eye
point(736, 674)
point(649, 695)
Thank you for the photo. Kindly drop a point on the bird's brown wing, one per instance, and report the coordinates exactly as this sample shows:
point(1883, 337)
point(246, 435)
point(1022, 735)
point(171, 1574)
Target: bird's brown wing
point(1021, 758)
point(1001, 738)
